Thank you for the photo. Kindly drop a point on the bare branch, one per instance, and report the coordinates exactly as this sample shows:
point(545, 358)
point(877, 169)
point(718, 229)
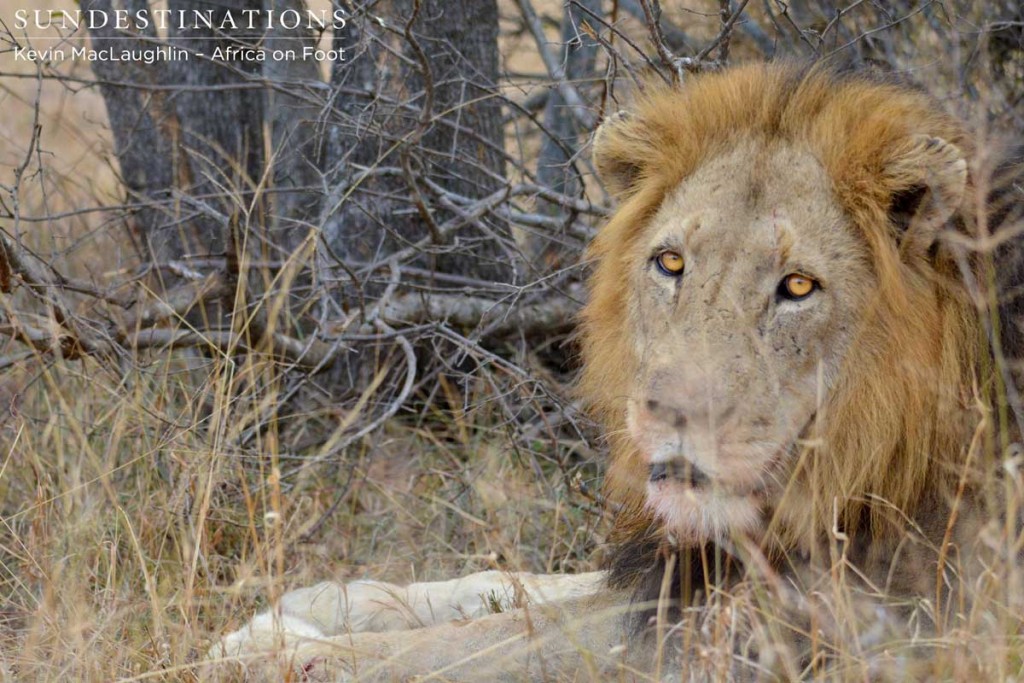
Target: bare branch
point(468, 312)
point(580, 110)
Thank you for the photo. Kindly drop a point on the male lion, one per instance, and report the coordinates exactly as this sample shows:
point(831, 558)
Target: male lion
point(789, 340)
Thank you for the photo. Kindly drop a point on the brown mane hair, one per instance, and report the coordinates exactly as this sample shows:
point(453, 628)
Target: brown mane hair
point(895, 431)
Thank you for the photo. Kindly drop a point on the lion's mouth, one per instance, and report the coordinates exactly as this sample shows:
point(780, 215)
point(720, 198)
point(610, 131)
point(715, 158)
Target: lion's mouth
point(696, 508)
point(680, 476)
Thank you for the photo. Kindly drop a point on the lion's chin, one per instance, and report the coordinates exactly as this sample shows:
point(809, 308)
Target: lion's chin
point(703, 515)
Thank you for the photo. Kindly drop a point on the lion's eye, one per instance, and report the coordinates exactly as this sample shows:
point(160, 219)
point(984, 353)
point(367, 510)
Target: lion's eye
point(796, 287)
point(670, 263)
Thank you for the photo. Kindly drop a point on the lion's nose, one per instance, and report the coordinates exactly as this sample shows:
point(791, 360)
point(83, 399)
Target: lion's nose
point(680, 414)
point(667, 413)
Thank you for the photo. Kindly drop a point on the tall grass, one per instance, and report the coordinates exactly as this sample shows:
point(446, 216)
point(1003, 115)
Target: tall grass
point(132, 536)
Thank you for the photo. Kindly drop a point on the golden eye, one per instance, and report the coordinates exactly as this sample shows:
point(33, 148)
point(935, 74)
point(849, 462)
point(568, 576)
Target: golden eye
point(796, 287)
point(670, 263)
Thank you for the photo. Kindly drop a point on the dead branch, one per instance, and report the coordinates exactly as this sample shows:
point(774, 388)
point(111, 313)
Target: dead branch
point(581, 111)
point(308, 355)
point(468, 312)
point(652, 20)
point(75, 337)
point(721, 41)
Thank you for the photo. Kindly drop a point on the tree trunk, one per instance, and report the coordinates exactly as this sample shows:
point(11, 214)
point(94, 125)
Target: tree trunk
point(417, 106)
point(219, 140)
point(140, 126)
point(555, 164)
point(204, 140)
point(295, 139)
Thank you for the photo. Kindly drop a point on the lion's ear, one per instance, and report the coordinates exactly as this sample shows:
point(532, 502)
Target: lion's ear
point(931, 177)
point(617, 153)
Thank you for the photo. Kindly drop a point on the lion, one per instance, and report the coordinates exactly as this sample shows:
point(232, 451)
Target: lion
point(794, 348)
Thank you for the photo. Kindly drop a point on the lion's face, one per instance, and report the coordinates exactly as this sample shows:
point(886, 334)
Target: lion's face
point(743, 284)
point(779, 336)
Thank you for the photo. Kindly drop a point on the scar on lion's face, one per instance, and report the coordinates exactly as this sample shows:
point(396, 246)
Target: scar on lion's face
point(735, 362)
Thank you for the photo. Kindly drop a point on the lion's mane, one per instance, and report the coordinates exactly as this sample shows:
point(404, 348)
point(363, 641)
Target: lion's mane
point(896, 430)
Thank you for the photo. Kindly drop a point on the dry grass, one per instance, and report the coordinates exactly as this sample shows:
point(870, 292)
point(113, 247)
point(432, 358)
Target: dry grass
point(132, 536)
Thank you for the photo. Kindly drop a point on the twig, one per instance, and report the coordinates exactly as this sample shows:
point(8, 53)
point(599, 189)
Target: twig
point(607, 45)
point(785, 14)
point(884, 27)
point(427, 113)
point(580, 110)
point(652, 19)
point(722, 40)
point(478, 209)
point(672, 33)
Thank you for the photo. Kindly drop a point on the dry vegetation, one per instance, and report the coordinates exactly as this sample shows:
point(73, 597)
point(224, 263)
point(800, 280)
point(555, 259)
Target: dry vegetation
point(151, 501)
